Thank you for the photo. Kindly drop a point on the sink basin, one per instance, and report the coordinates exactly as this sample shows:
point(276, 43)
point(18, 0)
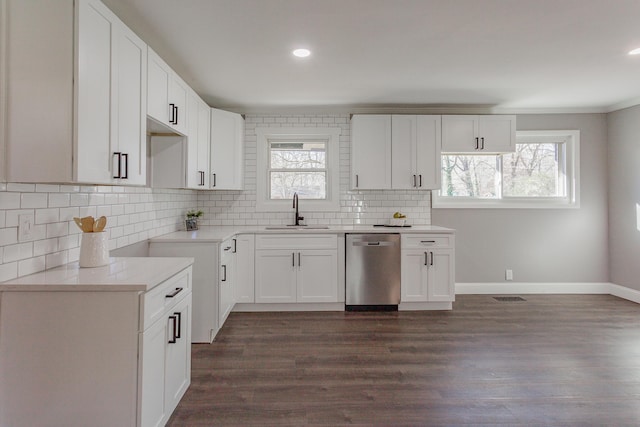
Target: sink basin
point(297, 227)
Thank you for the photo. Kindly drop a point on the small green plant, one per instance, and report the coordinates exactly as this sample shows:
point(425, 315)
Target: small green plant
point(194, 214)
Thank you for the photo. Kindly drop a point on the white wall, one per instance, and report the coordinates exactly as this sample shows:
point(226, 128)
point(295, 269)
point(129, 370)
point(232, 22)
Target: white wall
point(356, 207)
point(624, 196)
point(134, 214)
point(541, 245)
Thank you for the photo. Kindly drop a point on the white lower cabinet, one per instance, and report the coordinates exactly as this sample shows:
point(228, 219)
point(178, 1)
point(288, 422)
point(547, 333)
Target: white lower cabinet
point(165, 364)
point(245, 268)
point(300, 268)
point(113, 356)
point(226, 281)
point(428, 268)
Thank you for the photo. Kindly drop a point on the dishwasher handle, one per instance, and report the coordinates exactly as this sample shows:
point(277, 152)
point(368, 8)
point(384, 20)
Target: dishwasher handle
point(376, 244)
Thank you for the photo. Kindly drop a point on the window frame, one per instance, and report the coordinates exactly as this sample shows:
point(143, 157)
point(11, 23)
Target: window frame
point(571, 169)
point(312, 134)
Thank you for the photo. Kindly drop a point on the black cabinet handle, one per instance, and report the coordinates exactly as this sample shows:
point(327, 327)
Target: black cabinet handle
point(431, 258)
point(293, 259)
point(357, 185)
point(477, 143)
point(214, 180)
point(420, 176)
point(482, 142)
point(172, 113)
point(173, 320)
point(125, 156)
point(176, 116)
point(224, 268)
point(235, 245)
point(426, 258)
point(299, 260)
point(119, 154)
point(414, 181)
point(179, 328)
point(427, 241)
point(201, 173)
point(174, 293)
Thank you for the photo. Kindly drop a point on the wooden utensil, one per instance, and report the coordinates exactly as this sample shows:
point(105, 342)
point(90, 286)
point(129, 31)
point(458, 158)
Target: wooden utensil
point(78, 222)
point(87, 224)
point(100, 224)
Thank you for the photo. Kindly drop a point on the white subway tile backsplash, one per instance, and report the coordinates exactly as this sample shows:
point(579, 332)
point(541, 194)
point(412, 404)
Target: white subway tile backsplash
point(22, 188)
point(31, 265)
point(33, 200)
point(55, 238)
point(9, 200)
point(8, 236)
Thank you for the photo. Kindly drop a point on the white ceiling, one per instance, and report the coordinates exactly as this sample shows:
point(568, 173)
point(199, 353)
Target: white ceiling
point(518, 55)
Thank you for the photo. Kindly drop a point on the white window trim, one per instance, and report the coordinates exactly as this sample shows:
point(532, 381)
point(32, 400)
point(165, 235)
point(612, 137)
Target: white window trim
point(331, 135)
point(570, 201)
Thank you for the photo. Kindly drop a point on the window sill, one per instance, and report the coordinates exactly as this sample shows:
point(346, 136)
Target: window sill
point(504, 204)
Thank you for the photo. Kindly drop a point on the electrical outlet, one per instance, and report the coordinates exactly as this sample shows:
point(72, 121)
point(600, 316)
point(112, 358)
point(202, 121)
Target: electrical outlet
point(508, 275)
point(25, 227)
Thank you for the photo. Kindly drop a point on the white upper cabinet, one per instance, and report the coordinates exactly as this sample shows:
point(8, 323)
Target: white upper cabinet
point(82, 91)
point(167, 95)
point(489, 134)
point(400, 152)
point(371, 152)
point(198, 143)
point(415, 152)
point(227, 150)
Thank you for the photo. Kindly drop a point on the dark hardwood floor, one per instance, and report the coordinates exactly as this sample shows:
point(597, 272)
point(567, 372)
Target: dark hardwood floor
point(555, 360)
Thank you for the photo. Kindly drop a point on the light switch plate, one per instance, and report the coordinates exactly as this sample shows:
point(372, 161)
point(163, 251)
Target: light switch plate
point(25, 227)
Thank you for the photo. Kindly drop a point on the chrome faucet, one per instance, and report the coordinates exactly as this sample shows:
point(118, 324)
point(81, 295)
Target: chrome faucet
point(298, 218)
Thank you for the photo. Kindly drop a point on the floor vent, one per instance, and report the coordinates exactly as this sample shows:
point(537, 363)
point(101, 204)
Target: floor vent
point(509, 299)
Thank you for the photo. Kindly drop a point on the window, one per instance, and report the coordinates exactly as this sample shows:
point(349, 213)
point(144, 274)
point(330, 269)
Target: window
point(297, 167)
point(298, 160)
point(542, 172)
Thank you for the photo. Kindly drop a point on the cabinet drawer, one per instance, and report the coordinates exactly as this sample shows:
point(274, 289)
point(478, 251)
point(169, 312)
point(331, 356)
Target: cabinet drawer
point(164, 296)
point(427, 241)
point(298, 241)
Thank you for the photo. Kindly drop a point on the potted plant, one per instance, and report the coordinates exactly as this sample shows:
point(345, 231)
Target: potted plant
point(192, 219)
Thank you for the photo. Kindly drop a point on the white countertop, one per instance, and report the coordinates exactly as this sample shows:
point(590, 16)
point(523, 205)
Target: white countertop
point(218, 234)
point(122, 274)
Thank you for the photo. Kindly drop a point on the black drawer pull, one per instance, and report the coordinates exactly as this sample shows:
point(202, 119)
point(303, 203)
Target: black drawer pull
point(173, 334)
point(174, 293)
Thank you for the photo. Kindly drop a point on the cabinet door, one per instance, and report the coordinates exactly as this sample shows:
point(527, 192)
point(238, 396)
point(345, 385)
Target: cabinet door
point(427, 152)
point(371, 152)
point(194, 174)
point(317, 276)
point(204, 142)
point(178, 90)
point(95, 135)
point(226, 291)
point(414, 276)
point(227, 150)
point(178, 354)
point(403, 159)
point(275, 276)
point(245, 263)
point(459, 134)
point(153, 411)
point(158, 76)
point(130, 99)
point(441, 273)
point(497, 134)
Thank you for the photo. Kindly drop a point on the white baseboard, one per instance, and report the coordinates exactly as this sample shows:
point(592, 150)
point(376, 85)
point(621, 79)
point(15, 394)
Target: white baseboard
point(549, 288)
point(626, 293)
point(328, 306)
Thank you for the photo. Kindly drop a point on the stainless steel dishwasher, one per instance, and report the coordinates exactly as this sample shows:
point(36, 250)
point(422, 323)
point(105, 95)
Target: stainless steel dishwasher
point(372, 271)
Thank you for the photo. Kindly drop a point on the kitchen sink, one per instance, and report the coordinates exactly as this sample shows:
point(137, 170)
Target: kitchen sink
point(297, 227)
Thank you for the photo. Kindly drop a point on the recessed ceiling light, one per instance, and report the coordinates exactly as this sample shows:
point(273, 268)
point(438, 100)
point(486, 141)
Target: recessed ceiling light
point(301, 53)
point(635, 52)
